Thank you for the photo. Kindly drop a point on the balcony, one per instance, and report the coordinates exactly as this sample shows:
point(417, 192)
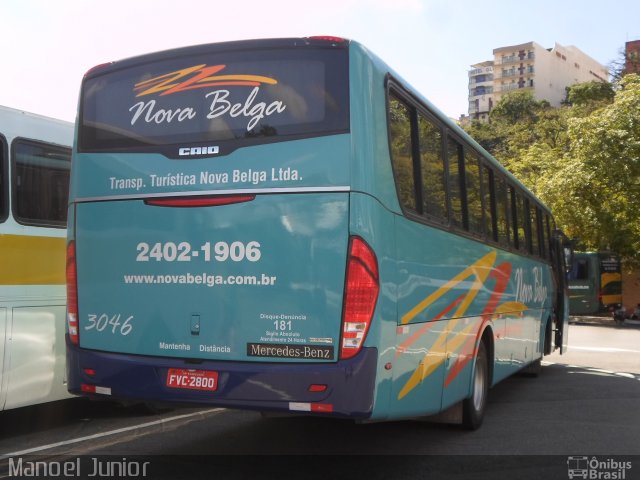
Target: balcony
point(526, 71)
point(479, 92)
point(487, 82)
point(515, 59)
point(509, 73)
point(513, 86)
point(509, 59)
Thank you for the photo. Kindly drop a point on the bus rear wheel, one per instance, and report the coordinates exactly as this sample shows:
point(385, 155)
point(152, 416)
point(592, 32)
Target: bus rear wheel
point(473, 408)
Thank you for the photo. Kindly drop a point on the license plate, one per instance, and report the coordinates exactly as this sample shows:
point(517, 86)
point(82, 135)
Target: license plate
point(192, 379)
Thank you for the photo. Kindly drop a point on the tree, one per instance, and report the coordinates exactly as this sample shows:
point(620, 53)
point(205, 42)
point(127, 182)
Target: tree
point(582, 160)
point(592, 95)
point(517, 106)
point(605, 151)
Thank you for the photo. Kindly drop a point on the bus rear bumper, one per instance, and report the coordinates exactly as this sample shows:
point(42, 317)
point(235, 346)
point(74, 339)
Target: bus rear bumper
point(341, 389)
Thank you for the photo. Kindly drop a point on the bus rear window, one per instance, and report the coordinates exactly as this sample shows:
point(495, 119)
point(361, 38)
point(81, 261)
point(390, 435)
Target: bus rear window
point(263, 95)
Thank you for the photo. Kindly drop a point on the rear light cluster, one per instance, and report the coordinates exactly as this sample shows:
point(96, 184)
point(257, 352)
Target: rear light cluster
point(72, 293)
point(86, 388)
point(214, 201)
point(362, 286)
point(97, 68)
point(328, 38)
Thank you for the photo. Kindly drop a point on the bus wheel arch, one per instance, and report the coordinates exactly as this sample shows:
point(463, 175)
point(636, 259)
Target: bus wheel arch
point(474, 406)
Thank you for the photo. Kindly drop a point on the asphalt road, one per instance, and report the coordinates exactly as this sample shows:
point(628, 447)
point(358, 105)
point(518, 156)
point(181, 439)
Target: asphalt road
point(584, 404)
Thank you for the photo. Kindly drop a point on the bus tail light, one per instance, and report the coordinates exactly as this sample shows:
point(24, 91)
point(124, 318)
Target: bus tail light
point(86, 388)
point(72, 293)
point(361, 294)
point(215, 201)
point(328, 38)
point(96, 68)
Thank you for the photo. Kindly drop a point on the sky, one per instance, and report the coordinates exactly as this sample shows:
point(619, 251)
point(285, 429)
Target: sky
point(48, 45)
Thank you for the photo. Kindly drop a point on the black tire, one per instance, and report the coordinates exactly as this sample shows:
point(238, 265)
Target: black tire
point(473, 408)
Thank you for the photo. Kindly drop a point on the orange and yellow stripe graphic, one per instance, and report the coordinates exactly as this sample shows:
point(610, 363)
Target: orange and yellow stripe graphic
point(198, 76)
point(461, 342)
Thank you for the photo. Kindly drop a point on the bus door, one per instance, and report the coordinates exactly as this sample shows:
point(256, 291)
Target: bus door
point(584, 285)
point(562, 253)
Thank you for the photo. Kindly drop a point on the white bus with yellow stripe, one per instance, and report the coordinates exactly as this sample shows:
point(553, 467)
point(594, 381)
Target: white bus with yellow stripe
point(35, 157)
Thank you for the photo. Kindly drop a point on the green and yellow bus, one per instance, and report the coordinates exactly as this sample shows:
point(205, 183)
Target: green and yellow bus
point(35, 159)
point(595, 283)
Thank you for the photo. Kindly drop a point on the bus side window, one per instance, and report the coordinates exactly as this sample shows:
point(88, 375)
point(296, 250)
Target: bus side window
point(40, 183)
point(535, 231)
point(401, 147)
point(516, 238)
point(579, 269)
point(455, 162)
point(526, 219)
point(433, 169)
point(502, 213)
point(473, 196)
point(546, 236)
point(489, 203)
point(520, 220)
point(4, 190)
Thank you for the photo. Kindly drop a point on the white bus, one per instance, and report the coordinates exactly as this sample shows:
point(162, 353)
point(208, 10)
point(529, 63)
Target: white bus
point(35, 157)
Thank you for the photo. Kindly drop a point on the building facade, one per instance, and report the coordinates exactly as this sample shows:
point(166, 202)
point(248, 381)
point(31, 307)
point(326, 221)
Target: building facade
point(632, 57)
point(481, 91)
point(546, 73)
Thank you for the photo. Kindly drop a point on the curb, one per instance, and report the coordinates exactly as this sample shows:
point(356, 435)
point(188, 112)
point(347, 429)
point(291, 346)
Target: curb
point(604, 321)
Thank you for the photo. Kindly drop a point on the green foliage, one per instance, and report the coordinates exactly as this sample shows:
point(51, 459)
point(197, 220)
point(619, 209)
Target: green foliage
point(517, 106)
point(582, 160)
point(590, 93)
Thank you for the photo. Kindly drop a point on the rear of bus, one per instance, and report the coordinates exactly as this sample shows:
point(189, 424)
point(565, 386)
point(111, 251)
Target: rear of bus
point(210, 255)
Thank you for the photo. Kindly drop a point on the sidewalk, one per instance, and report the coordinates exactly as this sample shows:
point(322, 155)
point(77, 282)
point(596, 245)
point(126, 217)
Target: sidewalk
point(605, 320)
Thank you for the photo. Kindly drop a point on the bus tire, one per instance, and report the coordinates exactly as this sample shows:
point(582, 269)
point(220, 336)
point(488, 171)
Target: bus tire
point(473, 408)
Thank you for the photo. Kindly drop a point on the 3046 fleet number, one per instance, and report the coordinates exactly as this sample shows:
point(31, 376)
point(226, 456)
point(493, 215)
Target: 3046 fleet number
point(184, 252)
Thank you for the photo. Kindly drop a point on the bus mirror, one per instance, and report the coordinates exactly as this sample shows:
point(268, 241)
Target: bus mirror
point(566, 245)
